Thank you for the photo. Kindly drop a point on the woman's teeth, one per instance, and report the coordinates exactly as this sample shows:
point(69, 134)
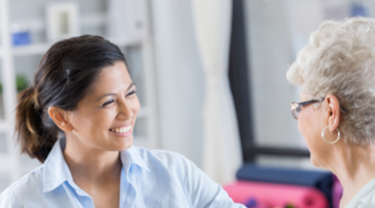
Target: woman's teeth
point(122, 130)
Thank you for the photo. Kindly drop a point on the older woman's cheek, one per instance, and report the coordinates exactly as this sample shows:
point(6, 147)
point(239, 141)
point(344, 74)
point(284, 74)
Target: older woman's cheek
point(301, 128)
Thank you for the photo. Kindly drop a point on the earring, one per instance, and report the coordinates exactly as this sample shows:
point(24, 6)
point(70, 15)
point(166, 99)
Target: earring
point(333, 142)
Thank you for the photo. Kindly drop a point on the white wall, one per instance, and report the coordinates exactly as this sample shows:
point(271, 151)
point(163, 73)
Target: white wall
point(180, 78)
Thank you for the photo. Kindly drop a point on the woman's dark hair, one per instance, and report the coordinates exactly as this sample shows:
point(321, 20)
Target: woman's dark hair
point(65, 74)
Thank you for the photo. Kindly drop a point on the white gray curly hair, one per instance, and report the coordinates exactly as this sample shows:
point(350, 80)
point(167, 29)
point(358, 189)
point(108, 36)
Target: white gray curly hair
point(340, 60)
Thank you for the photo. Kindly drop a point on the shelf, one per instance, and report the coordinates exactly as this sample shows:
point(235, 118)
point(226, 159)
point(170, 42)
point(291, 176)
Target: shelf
point(126, 42)
point(39, 25)
point(41, 48)
point(33, 49)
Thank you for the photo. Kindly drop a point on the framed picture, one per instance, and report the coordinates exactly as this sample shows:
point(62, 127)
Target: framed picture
point(62, 20)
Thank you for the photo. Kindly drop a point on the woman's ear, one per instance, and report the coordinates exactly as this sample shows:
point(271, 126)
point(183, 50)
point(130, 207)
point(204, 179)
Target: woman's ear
point(333, 111)
point(60, 117)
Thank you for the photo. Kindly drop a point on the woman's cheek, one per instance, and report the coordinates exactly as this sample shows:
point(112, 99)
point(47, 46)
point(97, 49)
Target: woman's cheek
point(136, 105)
point(303, 127)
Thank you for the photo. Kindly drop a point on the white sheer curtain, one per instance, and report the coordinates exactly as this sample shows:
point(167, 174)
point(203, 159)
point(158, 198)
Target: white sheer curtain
point(221, 151)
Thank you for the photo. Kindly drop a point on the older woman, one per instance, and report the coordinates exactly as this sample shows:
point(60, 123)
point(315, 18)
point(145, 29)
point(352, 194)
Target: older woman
point(336, 115)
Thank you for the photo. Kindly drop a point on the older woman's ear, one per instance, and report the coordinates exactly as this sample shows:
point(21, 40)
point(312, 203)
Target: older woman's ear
point(332, 111)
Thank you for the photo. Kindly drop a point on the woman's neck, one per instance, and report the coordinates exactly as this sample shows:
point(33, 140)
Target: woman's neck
point(354, 167)
point(90, 166)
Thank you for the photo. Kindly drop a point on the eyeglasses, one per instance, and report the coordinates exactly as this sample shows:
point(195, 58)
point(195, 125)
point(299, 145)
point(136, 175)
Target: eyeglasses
point(297, 107)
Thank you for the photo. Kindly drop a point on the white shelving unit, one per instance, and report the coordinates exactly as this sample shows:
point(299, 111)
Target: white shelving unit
point(41, 48)
point(11, 164)
point(34, 49)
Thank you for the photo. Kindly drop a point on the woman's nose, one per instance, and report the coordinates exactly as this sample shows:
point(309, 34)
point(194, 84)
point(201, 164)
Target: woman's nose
point(124, 110)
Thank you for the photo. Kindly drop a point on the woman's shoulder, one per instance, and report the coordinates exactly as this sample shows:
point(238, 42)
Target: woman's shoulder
point(35, 177)
point(367, 201)
point(182, 173)
point(29, 184)
point(365, 197)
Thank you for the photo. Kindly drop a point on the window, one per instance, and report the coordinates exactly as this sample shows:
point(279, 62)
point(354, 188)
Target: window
point(266, 37)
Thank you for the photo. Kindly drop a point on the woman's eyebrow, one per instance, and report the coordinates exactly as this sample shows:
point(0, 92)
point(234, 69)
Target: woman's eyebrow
point(113, 94)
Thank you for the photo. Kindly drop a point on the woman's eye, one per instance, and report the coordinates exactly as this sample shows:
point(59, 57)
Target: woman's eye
point(108, 102)
point(130, 93)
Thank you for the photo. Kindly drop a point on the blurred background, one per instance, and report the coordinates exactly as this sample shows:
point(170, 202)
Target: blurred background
point(164, 50)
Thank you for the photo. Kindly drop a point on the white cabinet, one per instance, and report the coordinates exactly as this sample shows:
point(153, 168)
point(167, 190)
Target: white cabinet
point(24, 60)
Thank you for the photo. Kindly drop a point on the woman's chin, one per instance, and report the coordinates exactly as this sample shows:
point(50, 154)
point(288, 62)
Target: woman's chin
point(127, 143)
point(124, 146)
point(121, 142)
point(120, 145)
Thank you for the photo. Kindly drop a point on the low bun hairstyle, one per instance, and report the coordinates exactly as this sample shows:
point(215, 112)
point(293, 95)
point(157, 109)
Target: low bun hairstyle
point(64, 76)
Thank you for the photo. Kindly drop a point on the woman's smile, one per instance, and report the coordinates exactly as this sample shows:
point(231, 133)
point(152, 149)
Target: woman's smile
point(122, 131)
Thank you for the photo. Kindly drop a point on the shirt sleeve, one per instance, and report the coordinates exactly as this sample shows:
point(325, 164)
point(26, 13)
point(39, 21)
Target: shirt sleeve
point(204, 192)
point(7, 200)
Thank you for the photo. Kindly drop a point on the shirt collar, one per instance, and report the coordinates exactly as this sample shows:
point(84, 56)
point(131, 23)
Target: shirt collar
point(132, 156)
point(56, 171)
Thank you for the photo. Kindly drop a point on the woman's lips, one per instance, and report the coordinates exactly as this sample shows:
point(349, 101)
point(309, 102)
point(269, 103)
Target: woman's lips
point(122, 131)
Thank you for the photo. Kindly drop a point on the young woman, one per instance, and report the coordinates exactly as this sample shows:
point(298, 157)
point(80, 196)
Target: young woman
point(78, 120)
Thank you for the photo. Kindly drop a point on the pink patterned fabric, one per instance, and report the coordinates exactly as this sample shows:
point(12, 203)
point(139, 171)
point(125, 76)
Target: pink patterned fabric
point(276, 195)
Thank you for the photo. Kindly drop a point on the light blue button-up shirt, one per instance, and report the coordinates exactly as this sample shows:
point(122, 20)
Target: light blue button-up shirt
point(157, 179)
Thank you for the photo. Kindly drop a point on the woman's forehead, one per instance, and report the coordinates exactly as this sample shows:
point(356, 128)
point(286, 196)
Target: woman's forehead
point(112, 79)
point(114, 75)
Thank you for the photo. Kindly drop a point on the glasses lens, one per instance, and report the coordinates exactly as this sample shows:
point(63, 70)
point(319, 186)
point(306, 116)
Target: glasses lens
point(295, 114)
point(294, 110)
